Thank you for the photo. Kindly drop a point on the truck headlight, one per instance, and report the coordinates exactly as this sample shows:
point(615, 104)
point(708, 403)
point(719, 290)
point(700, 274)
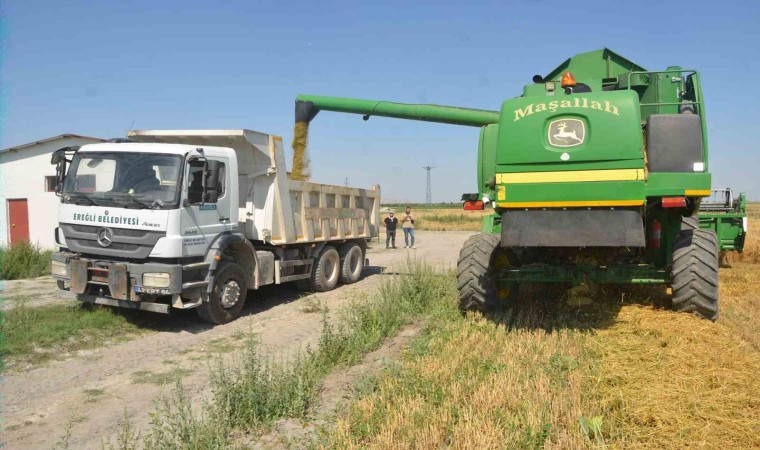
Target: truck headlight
point(156, 279)
point(59, 269)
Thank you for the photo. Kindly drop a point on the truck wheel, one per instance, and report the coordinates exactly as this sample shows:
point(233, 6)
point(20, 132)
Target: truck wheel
point(695, 273)
point(477, 287)
point(352, 259)
point(690, 223)
point(326, 270)
point(227, 297)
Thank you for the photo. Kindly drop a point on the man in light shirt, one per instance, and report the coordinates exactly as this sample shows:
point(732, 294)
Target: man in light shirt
point(407, 224)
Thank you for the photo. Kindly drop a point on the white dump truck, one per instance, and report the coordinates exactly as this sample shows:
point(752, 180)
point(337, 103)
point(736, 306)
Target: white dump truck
point(194, 219)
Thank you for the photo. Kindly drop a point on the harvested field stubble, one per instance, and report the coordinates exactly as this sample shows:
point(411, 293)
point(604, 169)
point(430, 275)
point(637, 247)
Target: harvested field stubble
point(623, 372)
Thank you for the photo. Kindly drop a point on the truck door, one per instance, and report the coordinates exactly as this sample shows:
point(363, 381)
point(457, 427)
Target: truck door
point(202, 221)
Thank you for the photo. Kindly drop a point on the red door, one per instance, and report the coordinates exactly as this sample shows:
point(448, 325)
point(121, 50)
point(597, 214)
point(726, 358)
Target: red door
point(18, 213)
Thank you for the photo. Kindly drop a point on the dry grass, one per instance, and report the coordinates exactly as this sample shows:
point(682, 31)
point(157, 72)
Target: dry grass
point(751, 252)
point(650, 377)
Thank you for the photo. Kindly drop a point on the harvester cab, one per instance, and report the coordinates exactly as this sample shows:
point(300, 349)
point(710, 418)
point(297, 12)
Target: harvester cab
point(595, 174)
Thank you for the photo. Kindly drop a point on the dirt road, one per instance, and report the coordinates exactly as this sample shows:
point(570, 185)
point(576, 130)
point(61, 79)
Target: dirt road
point(93, 390)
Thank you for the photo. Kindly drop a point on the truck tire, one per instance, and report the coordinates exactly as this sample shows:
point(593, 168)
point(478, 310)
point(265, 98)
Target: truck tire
point(227, 296)
point(694, 273)
point(326, 270)
point(690, 223)
point(475, 274)
point(351, 262)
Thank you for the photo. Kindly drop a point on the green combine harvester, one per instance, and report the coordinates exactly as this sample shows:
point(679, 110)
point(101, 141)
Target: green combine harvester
point(595, 174)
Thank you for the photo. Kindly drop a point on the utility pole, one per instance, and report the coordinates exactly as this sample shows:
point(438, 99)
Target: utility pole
point(429, 193)
point(346, 182)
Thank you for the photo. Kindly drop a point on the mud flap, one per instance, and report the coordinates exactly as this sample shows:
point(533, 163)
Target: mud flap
point(78, 274)
point(118, 282)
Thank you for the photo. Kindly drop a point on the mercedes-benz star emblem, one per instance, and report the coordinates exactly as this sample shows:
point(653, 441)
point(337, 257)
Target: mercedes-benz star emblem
point(105, 237)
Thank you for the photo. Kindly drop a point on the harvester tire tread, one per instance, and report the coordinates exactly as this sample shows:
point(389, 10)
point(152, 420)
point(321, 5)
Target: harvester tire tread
point(690, 223)
point(475, 281)
point(695, 273)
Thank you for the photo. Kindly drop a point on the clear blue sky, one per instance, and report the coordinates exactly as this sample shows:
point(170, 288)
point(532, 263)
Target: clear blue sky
point(97, 67)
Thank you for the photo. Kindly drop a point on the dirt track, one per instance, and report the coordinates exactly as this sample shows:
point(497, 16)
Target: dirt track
point(94, 389)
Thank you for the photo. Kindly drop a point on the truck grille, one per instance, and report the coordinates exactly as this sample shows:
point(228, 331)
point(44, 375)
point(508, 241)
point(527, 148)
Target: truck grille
point(126, 243)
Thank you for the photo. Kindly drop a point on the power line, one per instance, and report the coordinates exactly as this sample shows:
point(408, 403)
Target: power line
point(429, 193)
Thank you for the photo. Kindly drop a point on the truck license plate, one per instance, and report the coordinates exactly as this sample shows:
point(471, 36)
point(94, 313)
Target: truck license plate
point(154, 291)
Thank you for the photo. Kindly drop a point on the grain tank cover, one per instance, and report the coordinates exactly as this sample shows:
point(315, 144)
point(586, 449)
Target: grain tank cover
point(567, 129)
point(251, 147)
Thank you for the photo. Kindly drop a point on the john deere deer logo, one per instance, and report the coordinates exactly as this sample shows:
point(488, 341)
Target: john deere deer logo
point(566, 133)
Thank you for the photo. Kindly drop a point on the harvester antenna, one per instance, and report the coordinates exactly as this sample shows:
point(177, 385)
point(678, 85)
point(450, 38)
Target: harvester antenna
point(428, 194)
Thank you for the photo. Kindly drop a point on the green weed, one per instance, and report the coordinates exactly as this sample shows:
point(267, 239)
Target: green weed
point(23, 260)
point(36, 334)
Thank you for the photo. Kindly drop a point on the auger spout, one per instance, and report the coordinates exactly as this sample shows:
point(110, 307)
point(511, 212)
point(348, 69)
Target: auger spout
point(307, 107)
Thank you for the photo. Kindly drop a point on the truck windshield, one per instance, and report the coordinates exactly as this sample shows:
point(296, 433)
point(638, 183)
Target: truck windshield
point(130, 180)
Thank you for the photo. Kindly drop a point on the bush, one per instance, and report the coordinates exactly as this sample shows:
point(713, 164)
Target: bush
point(23, 260)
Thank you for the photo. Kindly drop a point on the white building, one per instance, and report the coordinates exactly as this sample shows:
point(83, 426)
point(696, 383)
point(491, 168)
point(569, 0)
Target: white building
point(28, 204)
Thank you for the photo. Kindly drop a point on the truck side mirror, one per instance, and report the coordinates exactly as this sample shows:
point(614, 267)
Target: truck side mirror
point(212, 187)
point(58, 158)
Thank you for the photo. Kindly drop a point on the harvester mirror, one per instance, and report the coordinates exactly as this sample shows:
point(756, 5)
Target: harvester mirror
point(538, 79)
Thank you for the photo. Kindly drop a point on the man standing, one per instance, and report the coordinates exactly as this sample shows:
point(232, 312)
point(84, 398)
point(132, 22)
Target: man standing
point(407, 224)
point(390, 229)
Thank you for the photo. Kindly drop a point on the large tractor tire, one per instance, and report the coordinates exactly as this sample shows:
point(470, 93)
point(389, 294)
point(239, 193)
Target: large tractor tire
point(479, 258)
point(690, 223)
point(695, 273)
point(227, 297)
point(351, 262)
point(325, 271)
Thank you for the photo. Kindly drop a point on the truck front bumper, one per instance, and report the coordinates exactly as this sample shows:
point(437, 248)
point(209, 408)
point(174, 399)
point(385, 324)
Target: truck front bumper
point(122, 284)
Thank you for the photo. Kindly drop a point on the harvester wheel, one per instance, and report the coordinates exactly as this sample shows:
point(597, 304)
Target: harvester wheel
point(695, 273)
point(690, 223)
point(478, 259)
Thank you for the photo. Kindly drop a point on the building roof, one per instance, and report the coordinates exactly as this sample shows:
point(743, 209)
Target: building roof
point(50, 139)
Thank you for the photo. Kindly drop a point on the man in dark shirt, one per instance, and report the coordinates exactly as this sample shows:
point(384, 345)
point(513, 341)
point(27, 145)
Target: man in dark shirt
point(390, 229)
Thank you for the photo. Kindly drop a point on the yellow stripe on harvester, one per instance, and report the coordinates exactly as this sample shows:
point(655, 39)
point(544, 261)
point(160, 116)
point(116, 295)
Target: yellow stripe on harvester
point(571, 204)
point(697, 193)
point(572, 176)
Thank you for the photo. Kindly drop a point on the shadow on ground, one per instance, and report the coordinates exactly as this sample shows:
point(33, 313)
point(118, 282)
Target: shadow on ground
point(257, 301)
point(558, 308)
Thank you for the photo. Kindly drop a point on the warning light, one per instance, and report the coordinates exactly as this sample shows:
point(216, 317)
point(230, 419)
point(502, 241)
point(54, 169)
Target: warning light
point(568, 80)
point(674, 202)
point(474, 205)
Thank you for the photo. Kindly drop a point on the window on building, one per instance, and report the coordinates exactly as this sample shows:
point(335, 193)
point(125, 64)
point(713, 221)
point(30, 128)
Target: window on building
point(50, 183)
